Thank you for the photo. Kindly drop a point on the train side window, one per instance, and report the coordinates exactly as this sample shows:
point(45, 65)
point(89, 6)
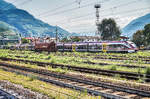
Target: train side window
point(68, 47)
point(111, 46)
point(81, 47)
point(98, 46)
point(60, 47)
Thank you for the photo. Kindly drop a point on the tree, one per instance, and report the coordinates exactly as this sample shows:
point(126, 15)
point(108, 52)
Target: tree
point(142, 37)
point(109, 29)
point(146, 33)
point(139, 38)
point(3, 30)
point(65, 40)
point(75, 39)
point(23, 40)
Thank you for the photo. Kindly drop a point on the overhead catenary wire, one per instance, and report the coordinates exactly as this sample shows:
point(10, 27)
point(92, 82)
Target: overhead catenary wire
point(62, 6)
point(68, 10)
point(55, 9)
point(93, 13)
point(90, 4)
point(129, 11)
point(107, 15)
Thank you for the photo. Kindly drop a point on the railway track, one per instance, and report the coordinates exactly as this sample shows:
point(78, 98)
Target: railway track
point(6, 95)
point(100, 63)
point(103, 64)
point(122, 65)
point(116, 58)
point(9, 90)
point(146, 61)
point(127, 75)
point(108, 91)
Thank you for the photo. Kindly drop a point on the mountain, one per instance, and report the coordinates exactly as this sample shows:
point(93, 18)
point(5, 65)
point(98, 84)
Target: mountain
point(7, 31)
point(82, 34)
point(137, 24)
point(26, 24)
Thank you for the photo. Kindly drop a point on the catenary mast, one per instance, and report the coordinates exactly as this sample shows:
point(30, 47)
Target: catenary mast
point(97, 7)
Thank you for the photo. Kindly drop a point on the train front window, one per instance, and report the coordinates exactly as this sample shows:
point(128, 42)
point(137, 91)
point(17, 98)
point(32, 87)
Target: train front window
point(132, 44)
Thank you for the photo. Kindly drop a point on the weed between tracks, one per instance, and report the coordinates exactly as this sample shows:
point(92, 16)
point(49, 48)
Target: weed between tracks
point(71, 60)
point(97, 78)
point(52, 91)
point(79, 59)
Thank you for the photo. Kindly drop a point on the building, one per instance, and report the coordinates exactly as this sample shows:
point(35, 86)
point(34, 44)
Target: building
point(38, 39)
point(8, 41)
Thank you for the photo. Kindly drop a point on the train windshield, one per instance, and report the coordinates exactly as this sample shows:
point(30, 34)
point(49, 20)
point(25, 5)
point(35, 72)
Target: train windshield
point(133, 44)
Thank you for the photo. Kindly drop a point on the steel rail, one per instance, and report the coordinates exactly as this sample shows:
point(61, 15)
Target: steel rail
point(6, 95)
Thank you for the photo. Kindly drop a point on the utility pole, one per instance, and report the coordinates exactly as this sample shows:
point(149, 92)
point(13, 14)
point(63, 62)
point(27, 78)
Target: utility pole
point(56, 34)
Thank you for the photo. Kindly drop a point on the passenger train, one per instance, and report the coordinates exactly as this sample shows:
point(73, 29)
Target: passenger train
point(104, 46)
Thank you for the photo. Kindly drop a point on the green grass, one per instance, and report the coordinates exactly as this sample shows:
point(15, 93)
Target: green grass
point(113, 80)
point(75, 59)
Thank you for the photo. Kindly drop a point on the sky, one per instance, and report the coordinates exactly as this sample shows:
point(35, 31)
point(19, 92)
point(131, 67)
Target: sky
point(80, 18)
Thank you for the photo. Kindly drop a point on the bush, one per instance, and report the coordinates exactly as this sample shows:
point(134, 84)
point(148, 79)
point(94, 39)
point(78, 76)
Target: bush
point(113, 68)
point(53, 60)
point(148, 71)
point(23, 40)
point(49, 57)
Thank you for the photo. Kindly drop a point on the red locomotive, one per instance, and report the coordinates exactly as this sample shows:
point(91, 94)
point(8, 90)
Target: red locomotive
point(45, 45)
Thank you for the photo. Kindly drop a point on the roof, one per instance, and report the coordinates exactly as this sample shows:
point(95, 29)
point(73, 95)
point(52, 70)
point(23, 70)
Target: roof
point(29, 38)
point(94, 42)
point(86, 37)
point(124, 37)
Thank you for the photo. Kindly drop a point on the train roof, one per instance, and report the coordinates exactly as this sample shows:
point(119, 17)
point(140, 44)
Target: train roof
point(94, 42)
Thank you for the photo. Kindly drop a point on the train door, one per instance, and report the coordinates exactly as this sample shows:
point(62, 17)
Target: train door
point(104, 47)
point(73, 47)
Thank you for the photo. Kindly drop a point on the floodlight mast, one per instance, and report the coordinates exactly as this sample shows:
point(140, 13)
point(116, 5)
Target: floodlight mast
point(97, 7)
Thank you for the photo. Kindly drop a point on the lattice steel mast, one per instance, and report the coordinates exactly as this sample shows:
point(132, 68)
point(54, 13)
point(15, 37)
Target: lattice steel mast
point(97, 7)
